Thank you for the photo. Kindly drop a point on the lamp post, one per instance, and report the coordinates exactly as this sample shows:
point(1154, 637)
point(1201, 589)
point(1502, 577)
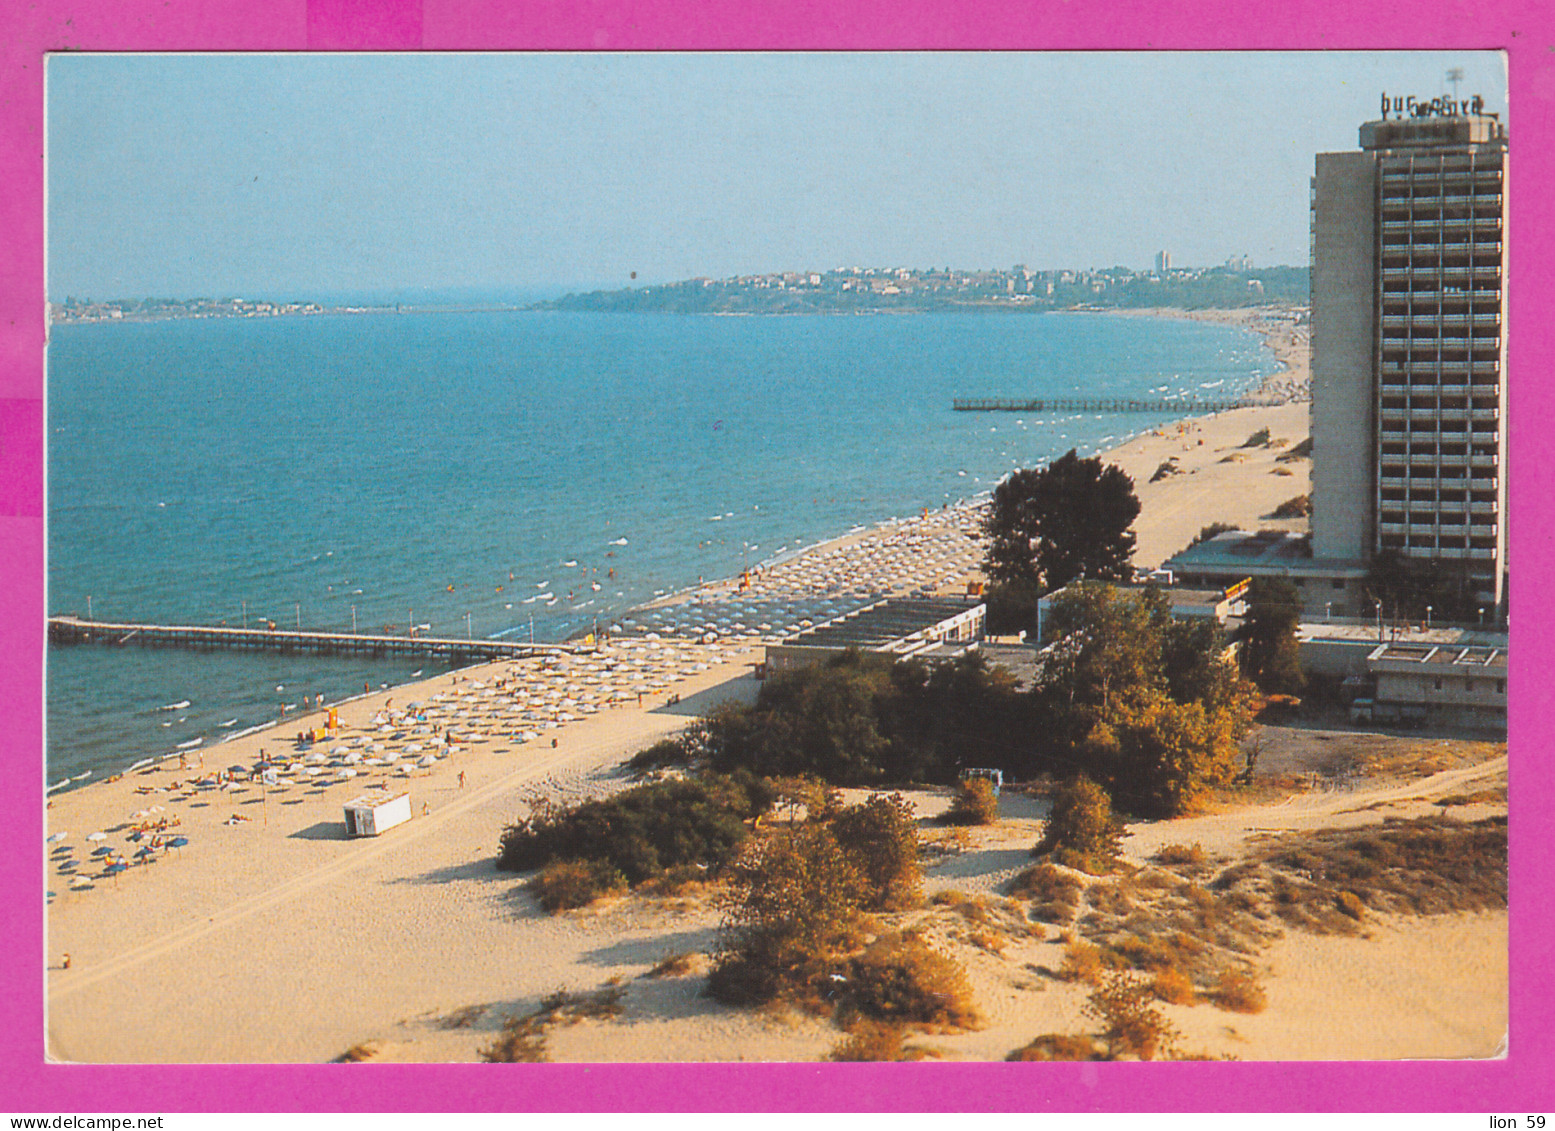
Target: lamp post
point(468, 634)
point(1428, 618)
point(1379, 622)
point(88, 606)
point(1328, 610)
point(353, 620)
point(299, 614)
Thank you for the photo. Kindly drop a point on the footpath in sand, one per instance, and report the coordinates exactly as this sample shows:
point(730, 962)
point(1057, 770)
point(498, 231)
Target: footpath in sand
point(268, 936)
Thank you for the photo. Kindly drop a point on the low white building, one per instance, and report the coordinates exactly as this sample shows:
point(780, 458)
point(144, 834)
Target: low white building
point(373, 813)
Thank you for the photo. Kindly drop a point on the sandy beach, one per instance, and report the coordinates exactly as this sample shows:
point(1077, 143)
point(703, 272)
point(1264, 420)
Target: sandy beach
point(269, 936)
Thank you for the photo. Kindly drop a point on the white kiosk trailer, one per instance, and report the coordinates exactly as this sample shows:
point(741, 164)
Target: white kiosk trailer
point(372, 813)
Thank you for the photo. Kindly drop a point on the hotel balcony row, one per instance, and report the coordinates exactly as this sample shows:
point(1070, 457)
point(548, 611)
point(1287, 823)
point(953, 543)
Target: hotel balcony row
point(1401, 198)
point(1443, 323)
point(1452, 180)
point(1482, 342)
point(1483, 440)
point(1481, 514)
point(1484, 276)
point(1392, 477)
point(1429, 295)
point(1417, 532)
point(1454, 553)
point(1446, 369)
point(1486, 227)
point(1394, 464)
point(1398, 417)
point(1406, 246)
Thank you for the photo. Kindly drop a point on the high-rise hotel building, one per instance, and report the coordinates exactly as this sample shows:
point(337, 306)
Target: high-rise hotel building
point(1409, 345)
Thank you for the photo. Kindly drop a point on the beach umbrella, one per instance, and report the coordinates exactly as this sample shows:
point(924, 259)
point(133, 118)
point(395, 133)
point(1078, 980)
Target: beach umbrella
point(115, 868)
point(146, 855)
point(177, 842)
point(96, 836)
point(80, 882)
point(103, 850)
point(55, 838)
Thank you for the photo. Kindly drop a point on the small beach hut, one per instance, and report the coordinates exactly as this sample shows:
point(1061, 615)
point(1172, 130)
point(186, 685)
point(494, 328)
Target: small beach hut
point(372, 813)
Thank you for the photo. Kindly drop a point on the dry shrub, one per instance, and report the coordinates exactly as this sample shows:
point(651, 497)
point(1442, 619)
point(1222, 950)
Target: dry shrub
point(1298, 507)
point(681, 881)
point(1480, 796)
point(1081, 831)
point(1114, 899)
point(972, 908)
point(1351, 905)
point(1238, 992)
point(673, 966)
point(1130, 1025)
point(522, 1041)
point(1173, 987)
point(975, 803)
point(462, 1018)
point(880, 837)
point(565, 1007)
point(806, 797)
point(869, 1041)
point(566, 884)
point(791, 911)
point(1429, 866)
point(899, 979)
point(1083, 962)
point(358, 1053)
point(991, 941)
point(1054, 893)
point(1059, 1046)
point(1157, 953)
point(1192, 856)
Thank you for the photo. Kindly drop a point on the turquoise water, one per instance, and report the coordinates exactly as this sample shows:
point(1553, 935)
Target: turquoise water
point(441, 469)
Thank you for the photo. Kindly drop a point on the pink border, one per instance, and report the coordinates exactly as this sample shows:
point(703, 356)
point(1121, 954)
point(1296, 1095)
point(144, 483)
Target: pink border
point(1519, 1084)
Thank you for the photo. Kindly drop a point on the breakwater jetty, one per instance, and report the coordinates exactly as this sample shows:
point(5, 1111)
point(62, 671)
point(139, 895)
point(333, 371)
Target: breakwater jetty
point(75, 630)
point(1106, 404)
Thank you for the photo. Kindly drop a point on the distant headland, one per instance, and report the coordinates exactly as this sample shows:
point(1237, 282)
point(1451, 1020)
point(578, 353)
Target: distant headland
point(850, 290)
point(858, 290)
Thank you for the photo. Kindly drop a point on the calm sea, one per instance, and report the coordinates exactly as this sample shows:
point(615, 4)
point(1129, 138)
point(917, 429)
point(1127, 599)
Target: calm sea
point(443, 469)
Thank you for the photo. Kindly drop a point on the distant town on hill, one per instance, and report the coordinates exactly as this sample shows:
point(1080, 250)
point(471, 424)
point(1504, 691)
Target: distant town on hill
point(848, 290)
point(858, 290)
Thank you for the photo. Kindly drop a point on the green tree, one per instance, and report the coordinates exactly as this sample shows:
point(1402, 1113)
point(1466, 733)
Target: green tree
point(1108, 646)
point(1068, 520)
point(1270, 655)
point(1168, 756)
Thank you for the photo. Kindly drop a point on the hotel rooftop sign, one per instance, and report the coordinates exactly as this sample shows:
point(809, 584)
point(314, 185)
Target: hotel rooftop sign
point(1440, 107)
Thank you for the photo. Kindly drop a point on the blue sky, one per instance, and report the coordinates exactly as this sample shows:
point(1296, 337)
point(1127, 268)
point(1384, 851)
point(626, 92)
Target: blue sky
point(296, 175)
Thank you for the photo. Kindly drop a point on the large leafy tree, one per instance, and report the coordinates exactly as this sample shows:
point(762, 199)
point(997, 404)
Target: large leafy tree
point(1271, 658)
point(1071, 519)
point(1140, 702)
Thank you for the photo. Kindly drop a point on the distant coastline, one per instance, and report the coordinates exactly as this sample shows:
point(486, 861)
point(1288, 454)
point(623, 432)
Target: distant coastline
point(842, 291)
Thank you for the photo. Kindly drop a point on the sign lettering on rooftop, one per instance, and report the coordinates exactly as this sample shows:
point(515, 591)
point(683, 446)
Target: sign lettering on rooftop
point(1439, 107)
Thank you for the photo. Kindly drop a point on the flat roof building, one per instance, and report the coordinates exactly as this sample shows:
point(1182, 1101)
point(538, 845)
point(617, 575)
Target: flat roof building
point(936, 628)
point(1409, 345)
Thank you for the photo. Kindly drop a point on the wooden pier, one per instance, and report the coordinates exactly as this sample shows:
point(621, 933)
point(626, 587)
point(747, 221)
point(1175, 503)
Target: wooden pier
point(1177, 408)
point(75, 630)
